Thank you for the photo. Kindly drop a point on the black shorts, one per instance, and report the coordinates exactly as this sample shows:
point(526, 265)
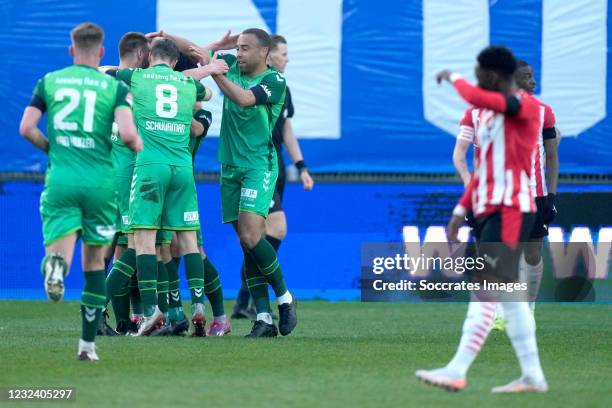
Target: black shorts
point(501, 259)
point(277, 199)
point(540, 228)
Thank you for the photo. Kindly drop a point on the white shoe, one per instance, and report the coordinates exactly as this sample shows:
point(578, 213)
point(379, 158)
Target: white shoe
point(198, 321)
point(54, 269)
point(87, 351)
point(441, 378)
point(523, 384)
point(150, 323)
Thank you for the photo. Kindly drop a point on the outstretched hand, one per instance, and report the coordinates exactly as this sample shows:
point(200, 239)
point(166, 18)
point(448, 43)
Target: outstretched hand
point(443, 75)
point(226, 42)
point(155, 34)
point(199, 54)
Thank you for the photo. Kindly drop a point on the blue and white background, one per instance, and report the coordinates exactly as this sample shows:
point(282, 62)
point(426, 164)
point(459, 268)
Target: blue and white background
point(361, 74)
point(361, 71)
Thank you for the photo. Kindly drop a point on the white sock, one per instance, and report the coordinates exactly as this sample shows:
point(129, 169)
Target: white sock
point(520, 327)
point(499, 310)
point(286, 298)
point(87, 346)
point(533, 275)
point(476, 328)
point(222, 318)
point(266, 317)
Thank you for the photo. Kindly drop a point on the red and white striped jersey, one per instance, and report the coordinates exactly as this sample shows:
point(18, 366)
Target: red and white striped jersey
point(468, 125)
point(467, 130)
point(538, 171)
point(506, 148)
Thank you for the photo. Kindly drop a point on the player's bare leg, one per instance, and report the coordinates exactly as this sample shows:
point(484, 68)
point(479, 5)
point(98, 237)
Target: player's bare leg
point(262, 268)
point(93, 299)
point(56, 266)
point(146, 261)
point(194, 271)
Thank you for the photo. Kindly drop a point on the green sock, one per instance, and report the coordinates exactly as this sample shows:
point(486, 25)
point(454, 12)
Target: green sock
point(147, 282)
point(121, 304)
point(194, 270)
point(135, 295)
point(93, 300)
point(120, 274)
point(175, 305)
point(162, 287)
point(258, 286)
point(265, 257)
point(213, 289)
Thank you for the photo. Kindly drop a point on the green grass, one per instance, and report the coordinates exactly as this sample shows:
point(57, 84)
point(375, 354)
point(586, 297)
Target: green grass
point(341, 355)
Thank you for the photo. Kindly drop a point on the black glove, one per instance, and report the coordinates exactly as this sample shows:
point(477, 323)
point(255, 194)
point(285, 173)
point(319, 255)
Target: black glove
point(550, 211)
point(205, 118)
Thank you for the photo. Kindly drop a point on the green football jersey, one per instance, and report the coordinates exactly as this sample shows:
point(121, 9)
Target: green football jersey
point(163, 102)
point(246, 133)
point(123, 157)
point(80, 104)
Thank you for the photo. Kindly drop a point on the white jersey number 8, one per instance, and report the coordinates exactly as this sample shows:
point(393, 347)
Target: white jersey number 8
point(166, 105)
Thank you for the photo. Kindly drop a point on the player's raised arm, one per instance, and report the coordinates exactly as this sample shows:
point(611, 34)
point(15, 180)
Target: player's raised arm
point(479, 97)
point(216, 66)
point(269, 91)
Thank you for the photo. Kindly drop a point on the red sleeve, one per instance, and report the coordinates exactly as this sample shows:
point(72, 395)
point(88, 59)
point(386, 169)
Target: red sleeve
point(549, 117)
point(479, 97)
point(466, 120)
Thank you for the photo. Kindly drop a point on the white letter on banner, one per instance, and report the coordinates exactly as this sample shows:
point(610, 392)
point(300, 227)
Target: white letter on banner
point(574, 58)
point(313, 30)
point(454, 32)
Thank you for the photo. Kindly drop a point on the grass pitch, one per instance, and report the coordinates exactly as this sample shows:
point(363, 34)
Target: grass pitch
point(341, 354)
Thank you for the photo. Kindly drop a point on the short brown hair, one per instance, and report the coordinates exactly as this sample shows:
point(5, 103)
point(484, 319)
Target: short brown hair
point(275, 40)
point(87, 36)
point(132, 42)
point(165, 49)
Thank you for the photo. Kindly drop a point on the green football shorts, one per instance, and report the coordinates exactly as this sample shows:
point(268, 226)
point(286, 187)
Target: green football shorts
point(163, 196)
point(67, 209)
point(246, 190)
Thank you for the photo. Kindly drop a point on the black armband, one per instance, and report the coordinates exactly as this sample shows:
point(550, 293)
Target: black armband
point(261, 96)
point(549, 133)
point(300, 165)
point(38, 103)
point(512, 105)
point(205, 118)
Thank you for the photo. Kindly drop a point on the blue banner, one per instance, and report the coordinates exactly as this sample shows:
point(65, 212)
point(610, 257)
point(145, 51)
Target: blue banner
point(361, 74)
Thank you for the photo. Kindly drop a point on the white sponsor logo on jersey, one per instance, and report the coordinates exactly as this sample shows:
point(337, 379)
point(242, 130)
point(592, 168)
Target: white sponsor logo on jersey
point(248, 193)
point(190, 216)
